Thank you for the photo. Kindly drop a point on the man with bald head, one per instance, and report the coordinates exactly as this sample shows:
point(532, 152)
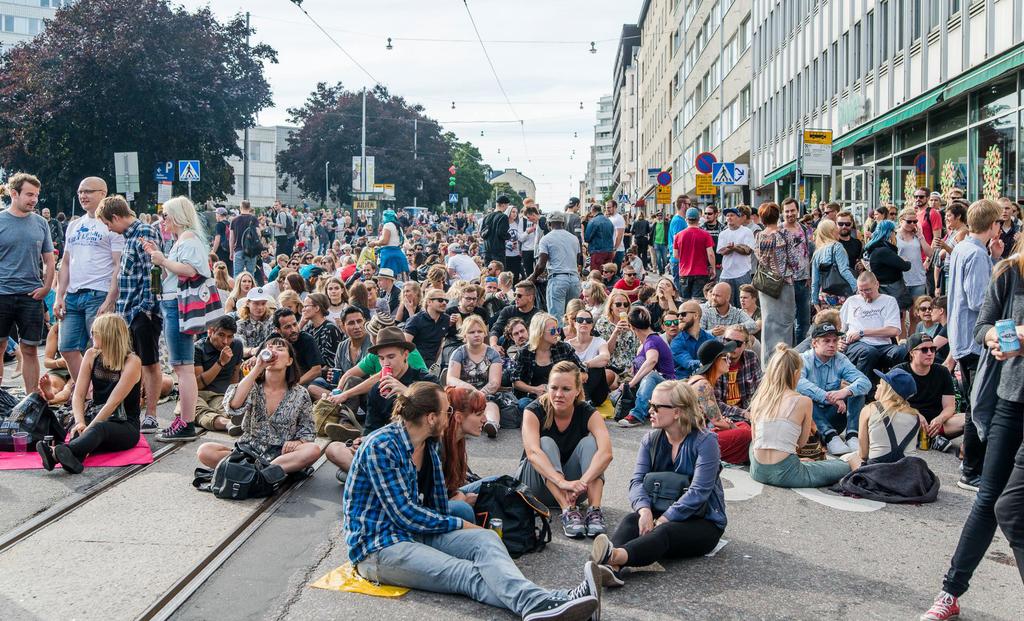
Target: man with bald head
point(690, 338)
point(87, 281)
point(718, 313)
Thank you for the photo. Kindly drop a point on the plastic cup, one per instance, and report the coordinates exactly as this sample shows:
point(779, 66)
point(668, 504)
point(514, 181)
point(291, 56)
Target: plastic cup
point(20, 439)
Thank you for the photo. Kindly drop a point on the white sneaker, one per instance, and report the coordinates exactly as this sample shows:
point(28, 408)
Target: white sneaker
point(836, 446)
point(853, 443)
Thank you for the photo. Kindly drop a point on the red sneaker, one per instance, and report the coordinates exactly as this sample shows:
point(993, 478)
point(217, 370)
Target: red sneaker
point(945, 607)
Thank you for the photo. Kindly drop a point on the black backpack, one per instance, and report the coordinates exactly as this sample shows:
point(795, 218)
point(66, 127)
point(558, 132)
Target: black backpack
point(242, 474)
point(525, 520)
point(31, 415)
point(251, 246)
point(289, 224)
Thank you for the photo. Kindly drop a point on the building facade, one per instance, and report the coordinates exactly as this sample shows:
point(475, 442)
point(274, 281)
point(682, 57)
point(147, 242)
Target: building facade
point(655, 77)
point(625, 129)
point(521, 184)
point(20, 20)
point(599, 179)
point(915, 94)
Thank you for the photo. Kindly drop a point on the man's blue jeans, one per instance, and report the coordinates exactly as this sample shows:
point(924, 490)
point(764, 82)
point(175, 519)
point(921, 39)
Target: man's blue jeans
point(643, 395)
point(80, 311)
point(661, 257)
point(473, 563)
point(242, 263)
point(561, 289)
point(674, 266)
point(802, 294)
point(826, 415)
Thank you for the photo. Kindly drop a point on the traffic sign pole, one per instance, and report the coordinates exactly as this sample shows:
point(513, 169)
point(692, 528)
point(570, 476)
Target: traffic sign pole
point(189, 190)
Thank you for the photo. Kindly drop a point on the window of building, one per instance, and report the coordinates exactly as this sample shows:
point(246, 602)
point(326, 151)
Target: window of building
point(950, 117)
point(883, 32)
point(745, 33)
point(858, 59)
point(951, 152)
point(744, 103)
point(883, 145)
point(900, 25)
point(996, 137)
point(995, 99)
point(911, 134)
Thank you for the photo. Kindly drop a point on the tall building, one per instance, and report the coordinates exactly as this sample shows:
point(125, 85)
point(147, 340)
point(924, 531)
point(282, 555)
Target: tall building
point(625, 130)
point(656, 79)
point(915, 94)
point(599, 178)
point(20, 20)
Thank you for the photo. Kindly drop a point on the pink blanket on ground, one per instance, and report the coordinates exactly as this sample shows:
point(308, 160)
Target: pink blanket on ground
point(139, 454)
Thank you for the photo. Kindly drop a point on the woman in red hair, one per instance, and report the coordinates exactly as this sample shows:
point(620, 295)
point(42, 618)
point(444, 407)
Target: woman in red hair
point(466, 419)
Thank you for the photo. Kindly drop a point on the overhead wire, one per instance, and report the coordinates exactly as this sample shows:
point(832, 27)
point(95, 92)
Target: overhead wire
point(298, 4)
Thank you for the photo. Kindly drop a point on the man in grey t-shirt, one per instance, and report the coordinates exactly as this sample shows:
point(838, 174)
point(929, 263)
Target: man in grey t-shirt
point(560, 254)
point(25, 244)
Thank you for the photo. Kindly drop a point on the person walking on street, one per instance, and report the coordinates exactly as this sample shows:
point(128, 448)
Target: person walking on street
point(677, 224)
point(573, 222)
point(244, 231)
point(695, 252)
point(611, 210)
point(600, 237)
point(660, 240)
point(284, 229)
point(561, 256)
point(641, 230)
point(801, 250)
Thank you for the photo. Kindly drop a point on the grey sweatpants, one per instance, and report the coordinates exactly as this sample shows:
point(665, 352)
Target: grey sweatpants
point(572, 469)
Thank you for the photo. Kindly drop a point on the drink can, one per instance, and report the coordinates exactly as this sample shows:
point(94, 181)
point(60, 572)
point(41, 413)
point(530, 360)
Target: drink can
point(336, 391)
point(267, 355)
point(923, 441)
point(496, 525)
point(1007, 332)
point(385, 372)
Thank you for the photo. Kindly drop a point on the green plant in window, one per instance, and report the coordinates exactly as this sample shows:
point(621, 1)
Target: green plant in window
point(814, 198)
point(947, 178)
point(992, 173)
point(884, 191)
point(909, 187)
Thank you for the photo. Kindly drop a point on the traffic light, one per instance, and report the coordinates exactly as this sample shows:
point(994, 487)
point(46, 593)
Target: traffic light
point(451, 179)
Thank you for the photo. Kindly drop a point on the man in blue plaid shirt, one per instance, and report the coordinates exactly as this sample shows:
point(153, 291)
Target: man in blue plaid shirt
point(401, 535)
point(136, 302)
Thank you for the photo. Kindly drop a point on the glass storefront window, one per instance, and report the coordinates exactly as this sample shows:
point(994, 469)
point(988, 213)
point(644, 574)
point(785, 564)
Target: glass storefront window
point(952, 165)
point(885, 190)
point(883, 145)
point(949, 118)
point(910, 173)
point(911, 134)
point(995, 158)
point(995, 99)
point(863, 154)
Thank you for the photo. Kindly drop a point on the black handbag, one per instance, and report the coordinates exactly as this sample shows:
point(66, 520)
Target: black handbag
point(899, 291)
point(666, 487)
point(832, 281)
point(986, 380)
point(243, 474)
point(526, 525)
point(626, 402)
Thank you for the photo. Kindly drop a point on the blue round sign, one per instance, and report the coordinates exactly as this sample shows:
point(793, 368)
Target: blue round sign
point(703, 162)
point(664, 178)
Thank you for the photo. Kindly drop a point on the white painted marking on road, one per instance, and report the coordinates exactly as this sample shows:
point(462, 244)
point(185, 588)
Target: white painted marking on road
point(743, 487)
point(843, 503)
point(721, 544)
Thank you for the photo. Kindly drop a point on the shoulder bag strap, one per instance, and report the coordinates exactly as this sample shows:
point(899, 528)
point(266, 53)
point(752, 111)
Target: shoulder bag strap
point(910, 436)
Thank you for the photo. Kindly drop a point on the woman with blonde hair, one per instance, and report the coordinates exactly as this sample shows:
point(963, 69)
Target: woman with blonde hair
point(109, 420)
point(781, 422)
point(566, 451)
point(891, 428)
point(669, 528)
point(829, 255)
point(186, 259)
point(544, 349)
point(243, 283)
point(290, 299)
point(596, 296)
point(613, 327)
point(568, 324)
point(225, 284)
point(409, 304)
point(477, 365)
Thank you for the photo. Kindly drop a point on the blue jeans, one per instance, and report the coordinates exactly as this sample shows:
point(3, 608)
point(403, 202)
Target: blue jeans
point(825, 415)
point(869, 357)
point(661, 257)
point(561, 289)
point(473, 563)
point(802, 296)
point(791, 472)
point(180, 347)
point(242, 263)
point(80, 311)
point(643, 395)
point(620, 255)
point(674, 266)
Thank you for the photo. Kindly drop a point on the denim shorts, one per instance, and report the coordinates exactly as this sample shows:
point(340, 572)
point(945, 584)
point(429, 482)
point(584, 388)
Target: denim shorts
point(80, 311)
point(180, 347)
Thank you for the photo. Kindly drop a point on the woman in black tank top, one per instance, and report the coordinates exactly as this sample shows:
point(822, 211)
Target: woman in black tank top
point(108, 422)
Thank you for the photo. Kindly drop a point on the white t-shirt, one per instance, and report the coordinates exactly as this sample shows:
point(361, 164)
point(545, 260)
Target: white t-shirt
point(592, 351)
point(516, 233)
point(90, 244)
point(734, 264)
point(532, 236)
point(465, 267)
point(857, 314)
point(619, 223)
point(190, 251)
point(393, 239)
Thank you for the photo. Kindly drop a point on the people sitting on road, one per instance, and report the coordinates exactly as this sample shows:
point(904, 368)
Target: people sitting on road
point(427, 328)
point(669, 528)
point(670, 326)
point(275, 412)
point(836, 388)
point(593, 353)
point(871, 320)
point(109, 419)
point(735, 388)
point(718, 313)
point(652, 365)
point(782, 420)
point(690, 338)
point(890, 426)
point(630, 283)
point(477, 365)
point(57, 378)
point(395, 536)
point(534, 363)
point(566, 449)
point(392, 349)
point(830, 316)
point(749, 305)
point(733, 435)
point(926, 322)
point(218, 365)
point(596, 296)
point(465, 418)
point(941, 336)
point(350, 351)
point(255, 320)
point(935, 394)
point(523, 307)
point(307, 354)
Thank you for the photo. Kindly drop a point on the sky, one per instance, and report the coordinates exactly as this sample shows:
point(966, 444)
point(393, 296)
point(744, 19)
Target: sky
point(540, 50)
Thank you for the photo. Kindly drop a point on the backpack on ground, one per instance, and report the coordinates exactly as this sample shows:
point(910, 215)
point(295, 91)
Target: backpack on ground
point(526, 525)
point(251, 245)
point(33, 416)
point(243, 474)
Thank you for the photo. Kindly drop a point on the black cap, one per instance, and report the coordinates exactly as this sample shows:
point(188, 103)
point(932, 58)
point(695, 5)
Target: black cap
point(825, 329)
point(918, 339)
point(709, 351)
point(503, 200)
point(573, 201)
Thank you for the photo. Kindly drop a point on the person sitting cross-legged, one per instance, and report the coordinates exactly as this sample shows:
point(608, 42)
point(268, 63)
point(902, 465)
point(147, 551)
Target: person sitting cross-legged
point(400, 537)
point(935, 397)
point(825, 371)
point(888, 430)
point(653, 365)
point(871, 321)
point(735, 388)
point(691, 525)
point(218, 365)
point(566, 451)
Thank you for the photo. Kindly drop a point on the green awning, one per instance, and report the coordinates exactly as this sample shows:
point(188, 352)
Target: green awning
point(890, 119)
point(982, 74)
point(779, 173)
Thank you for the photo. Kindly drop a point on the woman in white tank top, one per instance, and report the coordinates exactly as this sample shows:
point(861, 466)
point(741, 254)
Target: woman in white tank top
point(782, 422)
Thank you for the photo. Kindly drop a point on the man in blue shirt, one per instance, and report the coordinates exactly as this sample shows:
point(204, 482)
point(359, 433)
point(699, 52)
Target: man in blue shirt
point(690, 338)
point(822, 377)
point(599, 234)
point(678, 223)
point(399, 533)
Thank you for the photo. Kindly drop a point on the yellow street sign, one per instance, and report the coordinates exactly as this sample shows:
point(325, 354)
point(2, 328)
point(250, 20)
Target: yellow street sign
point(664, 195)
point(817, 136)
point(372, 205)
point(704, 185)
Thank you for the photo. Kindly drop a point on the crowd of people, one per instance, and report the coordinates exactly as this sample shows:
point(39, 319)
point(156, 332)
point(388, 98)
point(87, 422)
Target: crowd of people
point(801, 346)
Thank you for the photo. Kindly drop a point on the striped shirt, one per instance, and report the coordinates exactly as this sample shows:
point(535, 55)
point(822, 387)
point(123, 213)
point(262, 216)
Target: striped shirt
point(134, 295)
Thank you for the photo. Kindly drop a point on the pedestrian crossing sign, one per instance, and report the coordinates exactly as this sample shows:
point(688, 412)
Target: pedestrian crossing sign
point(723, 173)
point(188, 170)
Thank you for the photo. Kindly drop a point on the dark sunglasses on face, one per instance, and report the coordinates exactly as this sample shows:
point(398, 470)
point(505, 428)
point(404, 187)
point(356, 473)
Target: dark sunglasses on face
point(739, 343)
point(844, 223)
point(926, 350)
point(670, 322)
point(552, 331)
point(620, 304)
point(629, 274)
point(438, 300)
point(584, 320)
point(911, 221)
point(608, 271)
point(659, 406)
point(920, 196)
point(925, 309)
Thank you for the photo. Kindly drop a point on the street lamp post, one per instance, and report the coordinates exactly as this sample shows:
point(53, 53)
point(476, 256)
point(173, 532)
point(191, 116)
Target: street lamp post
point(327, 182)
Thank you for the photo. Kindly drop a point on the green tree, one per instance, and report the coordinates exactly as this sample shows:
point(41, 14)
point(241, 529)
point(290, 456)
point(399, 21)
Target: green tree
point(330, 134)
point(129, 75)
point(471, 172)
point(503, 187)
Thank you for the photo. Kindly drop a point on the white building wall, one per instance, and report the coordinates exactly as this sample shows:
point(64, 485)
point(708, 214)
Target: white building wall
point(20, 20)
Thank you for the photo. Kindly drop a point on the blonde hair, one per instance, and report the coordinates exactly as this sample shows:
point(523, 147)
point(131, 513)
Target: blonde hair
point(182, 213)
point(242, 308)
point(890, 401)
point(429, 293)
point(236, 294)
point(616, 293)
point(290, 299)
point(826, 234)
point(115, 342)
point(471, 322)
point(221, 277)
point(684, 397)
point(537, 329)
point(574, 306)
point(597, 291)
point(569, 368)
point(781, 375)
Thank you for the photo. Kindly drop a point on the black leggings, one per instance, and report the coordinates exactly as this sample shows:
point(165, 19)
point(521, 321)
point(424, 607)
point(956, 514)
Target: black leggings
point(596, 388)
point(105, 437)
point(672, 540)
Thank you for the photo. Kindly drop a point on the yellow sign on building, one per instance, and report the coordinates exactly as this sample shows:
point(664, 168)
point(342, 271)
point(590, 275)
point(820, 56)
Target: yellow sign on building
point(664, 195)
point(371, 205)
point(704, 185)
point(818, 136)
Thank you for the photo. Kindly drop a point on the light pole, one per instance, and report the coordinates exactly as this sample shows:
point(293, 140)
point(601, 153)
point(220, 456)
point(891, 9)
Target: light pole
point(327, 182)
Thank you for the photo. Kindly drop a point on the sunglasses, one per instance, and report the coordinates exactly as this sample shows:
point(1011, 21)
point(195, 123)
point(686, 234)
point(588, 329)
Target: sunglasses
point(911, 221)
point(584, 320)
point(685, 313)
point(608, 271)
point(659, 406)
point(920, 196)
point(926, 350)
point(844, 223)
point(925, 309)
point(738, 342)
point(620, 304)
point(520, 295)
point(438, 299)
point(553, 331)
point(670, 322)
point(629, 274)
